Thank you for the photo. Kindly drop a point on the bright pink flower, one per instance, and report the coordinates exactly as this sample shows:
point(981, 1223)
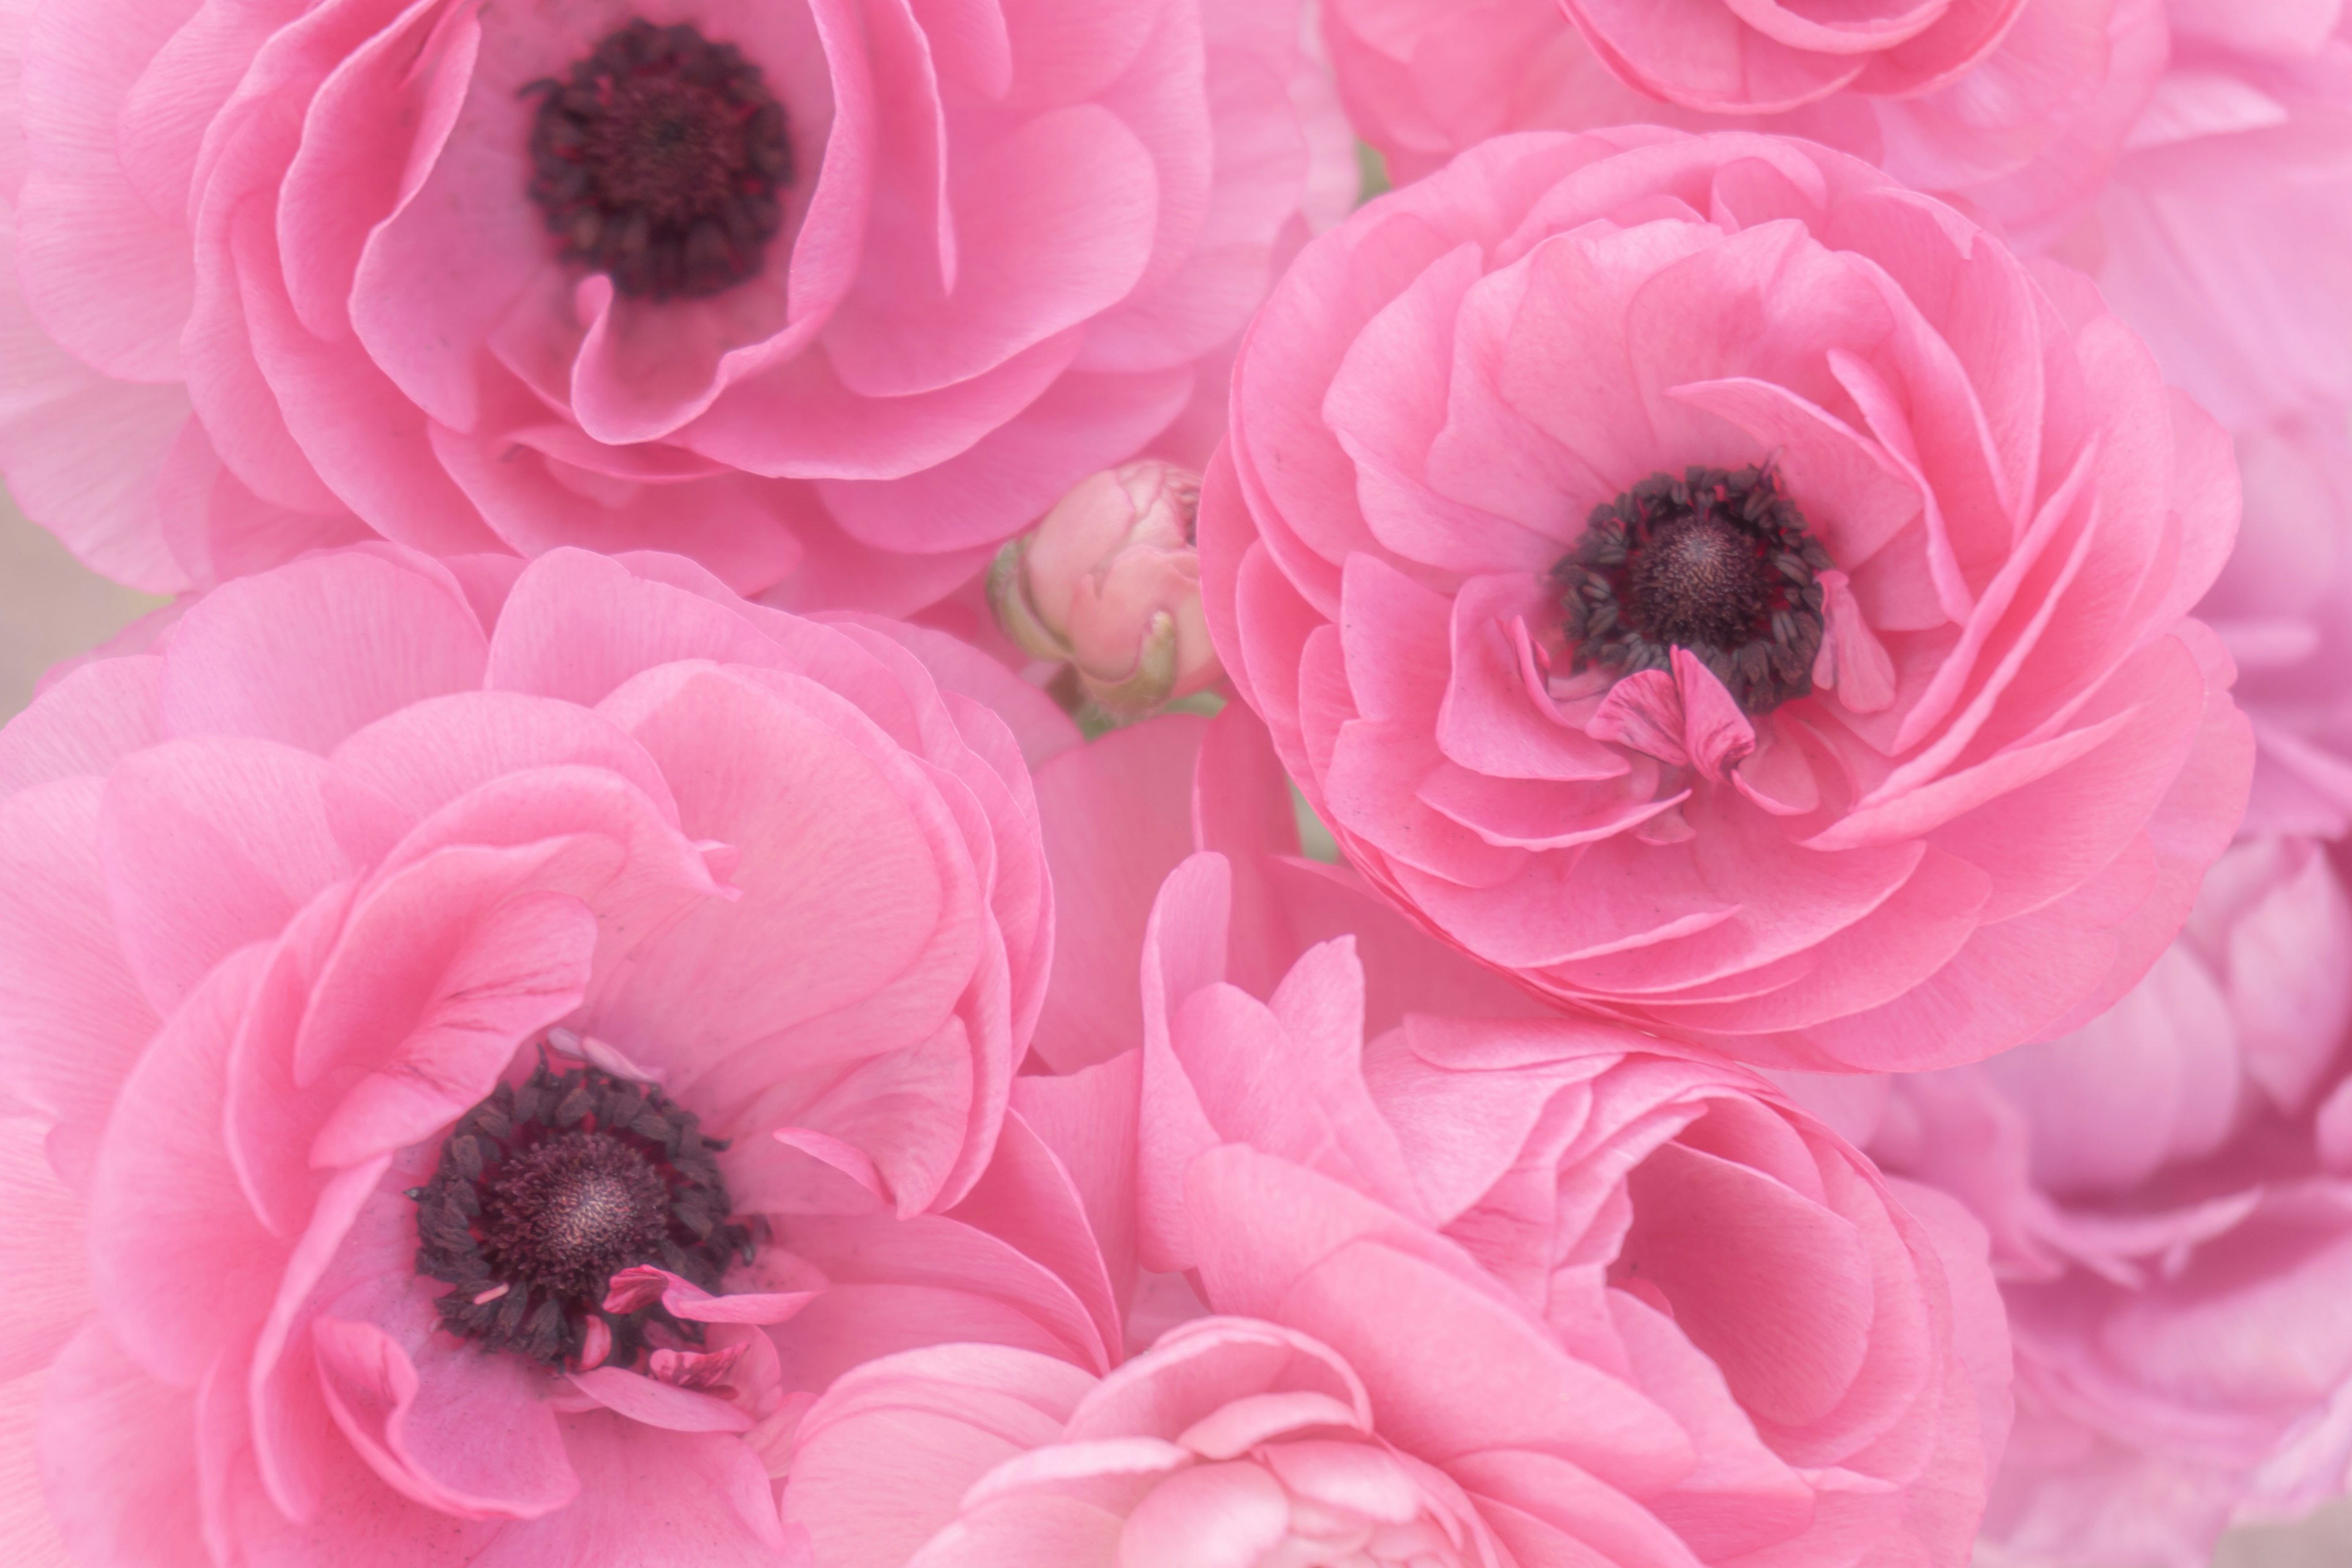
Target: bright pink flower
point(2170, 1195)
point(2015, 107)
point(1750, 1341)
point(2283, 609)
point(1723, 589)
point(1232, 1442)
point(289, 271)
point(2226, 232)
point(1109, 583)
point(406, 932)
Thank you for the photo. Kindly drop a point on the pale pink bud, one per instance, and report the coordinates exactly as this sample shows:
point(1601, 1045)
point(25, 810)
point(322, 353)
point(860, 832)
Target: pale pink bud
point(1110, 582)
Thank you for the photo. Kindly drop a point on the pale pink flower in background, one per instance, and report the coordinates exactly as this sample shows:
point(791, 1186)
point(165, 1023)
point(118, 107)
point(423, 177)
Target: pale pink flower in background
point(408, 932)
point(1231, 1441)
point(2169, 1190)
point(833, 296)
point(1110, 584)
point(2282, 607)
point(2225, 233)
point(2014, 108)
point(1723, 589)
point(1649, 1292)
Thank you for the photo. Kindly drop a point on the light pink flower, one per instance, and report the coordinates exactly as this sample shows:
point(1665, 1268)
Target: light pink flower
point(1764, 1347)
point(1231, 1441)
point(2226, 230)
point(2169, 1190)
point(2282, 607)
point(1883, 743)
point(289, 271)
point(1110, 584)
point(397, 922)
point(2013, 108)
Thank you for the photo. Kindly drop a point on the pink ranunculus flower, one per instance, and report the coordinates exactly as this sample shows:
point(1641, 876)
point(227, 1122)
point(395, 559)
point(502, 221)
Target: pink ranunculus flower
point(1109, 583)
point(1233, 1441)
point(2282, 607)
point(1723, 589)
point(1751, 1341)
point(2014, 107)
point(2169, 1190)
point(448, 988)
point(2226, 230)
point(831, 295)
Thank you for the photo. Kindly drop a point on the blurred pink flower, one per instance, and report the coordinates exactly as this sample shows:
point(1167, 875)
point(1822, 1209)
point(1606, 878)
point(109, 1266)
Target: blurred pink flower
point(834, 295)
point(2225, 233)
point(2282, 607)
point(1110, 582)
point(408, 932)
point(1723, 589)
point(2011, 108)
point(1231, 1441)
point(1643, 1262)
point(2169, 1190)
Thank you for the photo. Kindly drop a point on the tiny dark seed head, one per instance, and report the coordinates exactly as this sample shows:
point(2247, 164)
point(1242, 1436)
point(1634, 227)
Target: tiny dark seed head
point(660, 160)
point(543, 1216)
point(1714, 561)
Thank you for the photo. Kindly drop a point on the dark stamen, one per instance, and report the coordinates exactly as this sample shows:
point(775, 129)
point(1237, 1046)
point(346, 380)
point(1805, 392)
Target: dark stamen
point(659, 161)
point(550, 1188)
point(1716, 562)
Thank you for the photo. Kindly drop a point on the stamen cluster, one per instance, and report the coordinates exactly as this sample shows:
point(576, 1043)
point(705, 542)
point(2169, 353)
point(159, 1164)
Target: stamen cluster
point(547, 1188)
point(1717, 562)
point(659, 161)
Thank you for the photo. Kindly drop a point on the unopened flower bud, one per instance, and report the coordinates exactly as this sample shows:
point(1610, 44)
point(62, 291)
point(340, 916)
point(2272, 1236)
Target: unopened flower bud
point(1110, 582)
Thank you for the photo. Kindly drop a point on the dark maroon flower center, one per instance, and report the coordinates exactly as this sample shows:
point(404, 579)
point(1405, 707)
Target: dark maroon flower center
point(1716, 562)
point(547, 1189)
point(660, 161)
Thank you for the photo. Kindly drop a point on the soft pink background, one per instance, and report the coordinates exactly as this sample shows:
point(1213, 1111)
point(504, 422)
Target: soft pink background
point(52, 608)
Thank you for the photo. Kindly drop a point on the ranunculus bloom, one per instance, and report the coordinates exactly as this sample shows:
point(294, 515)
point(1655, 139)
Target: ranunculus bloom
point(1231, 1441)
point(1110, 582)
point(2283, 608)
point(2015, 107)
point(1745, 1338)
point(2225, 233)
point(403, 941)
point(838, 292)
point(2170, 1195)
point(1723, 589)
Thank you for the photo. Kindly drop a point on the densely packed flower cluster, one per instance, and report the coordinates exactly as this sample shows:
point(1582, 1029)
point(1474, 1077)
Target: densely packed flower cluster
point(920, 799)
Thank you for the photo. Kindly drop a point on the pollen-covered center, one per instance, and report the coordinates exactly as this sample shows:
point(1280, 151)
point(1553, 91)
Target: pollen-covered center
point(1716, 562)
point(547, 1189)
point(660, 161)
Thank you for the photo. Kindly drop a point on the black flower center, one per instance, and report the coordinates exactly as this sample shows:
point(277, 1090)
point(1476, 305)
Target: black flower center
point(1716, 562)
point(659, 161)
point(547, 1189)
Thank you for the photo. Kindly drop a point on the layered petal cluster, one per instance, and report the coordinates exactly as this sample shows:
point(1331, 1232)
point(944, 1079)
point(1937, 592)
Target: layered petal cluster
point(1978, 759)
point(1231, 1441)
point(2169, 1195)
point(2225, 232)
point(295, 272)
point(2014, 107)
point(1617, 1292)
point(362, 853)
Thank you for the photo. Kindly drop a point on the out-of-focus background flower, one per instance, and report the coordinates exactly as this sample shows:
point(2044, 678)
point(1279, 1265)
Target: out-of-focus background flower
point(53, 609)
